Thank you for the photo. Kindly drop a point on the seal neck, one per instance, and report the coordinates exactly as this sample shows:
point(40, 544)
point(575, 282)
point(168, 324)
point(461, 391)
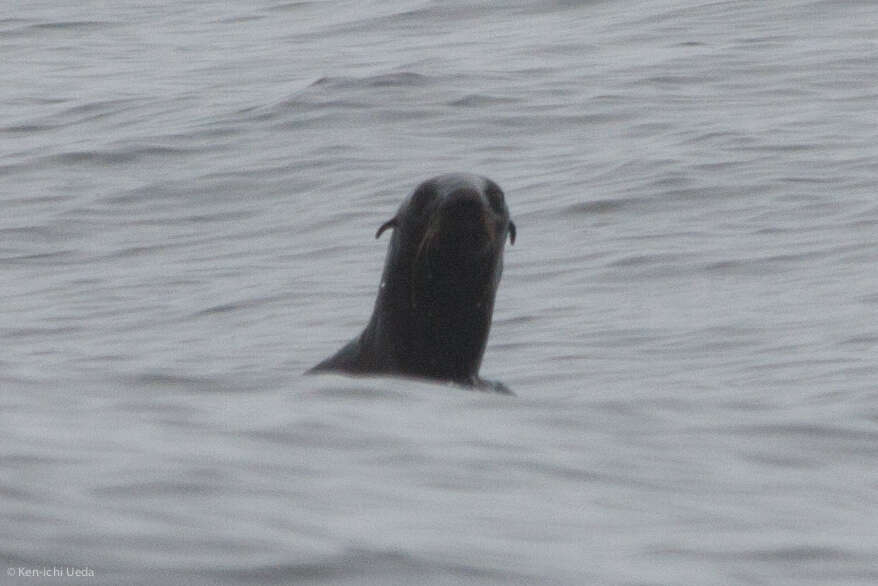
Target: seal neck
point(434, 322)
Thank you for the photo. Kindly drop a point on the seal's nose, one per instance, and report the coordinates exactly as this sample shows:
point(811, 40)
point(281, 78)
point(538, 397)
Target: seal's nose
point(466, 220)
point(464, 206)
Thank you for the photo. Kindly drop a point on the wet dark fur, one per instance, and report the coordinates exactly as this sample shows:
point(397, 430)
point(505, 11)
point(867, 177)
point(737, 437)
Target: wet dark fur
point(434, 307)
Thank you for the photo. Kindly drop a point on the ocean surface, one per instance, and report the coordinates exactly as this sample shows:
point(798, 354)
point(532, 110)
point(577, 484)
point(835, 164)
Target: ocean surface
point(189, 195)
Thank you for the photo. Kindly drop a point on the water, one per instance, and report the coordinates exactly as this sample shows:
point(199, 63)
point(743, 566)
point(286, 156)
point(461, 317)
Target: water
point(189, 194)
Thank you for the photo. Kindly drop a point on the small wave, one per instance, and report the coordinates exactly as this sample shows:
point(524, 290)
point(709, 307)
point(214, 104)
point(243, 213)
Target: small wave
point(158, 488)
point(237, 305)
point(398, 79)
point(638, 260)
point(116, 157)
point(356, 566)
point(26, 128)
point(39, 332)
point(477, 100)
point(100, 106)
point(793, 553)
point(181, 382)
point(27, 28)
point(43, 258)
point(289, 6)
point(599, 206)
point(73, 25)
point(805, 430)
point(241, 19)
point(769, 264)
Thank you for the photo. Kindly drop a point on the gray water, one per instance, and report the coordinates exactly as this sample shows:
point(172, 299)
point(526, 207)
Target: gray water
point(189, 196)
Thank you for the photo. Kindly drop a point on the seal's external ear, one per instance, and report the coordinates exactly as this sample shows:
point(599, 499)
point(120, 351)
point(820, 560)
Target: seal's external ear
point(391, 223)
point(511, 232)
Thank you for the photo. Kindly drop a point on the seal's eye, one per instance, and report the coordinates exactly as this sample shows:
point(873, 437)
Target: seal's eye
point(495, 198)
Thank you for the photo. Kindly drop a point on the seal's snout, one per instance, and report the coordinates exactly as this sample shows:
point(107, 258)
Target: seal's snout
point(464, 206)
point(465, 218)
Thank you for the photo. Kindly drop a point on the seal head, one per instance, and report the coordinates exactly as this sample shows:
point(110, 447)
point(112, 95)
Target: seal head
point(434, 307)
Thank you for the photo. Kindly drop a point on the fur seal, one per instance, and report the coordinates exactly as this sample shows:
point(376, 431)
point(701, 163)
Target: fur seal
point(433, 312)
